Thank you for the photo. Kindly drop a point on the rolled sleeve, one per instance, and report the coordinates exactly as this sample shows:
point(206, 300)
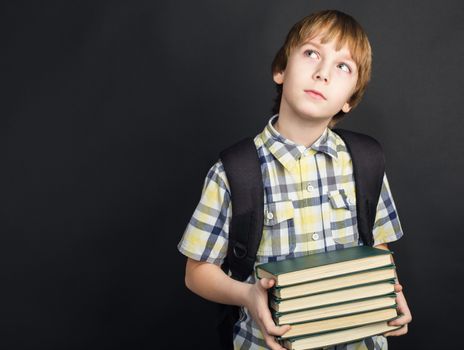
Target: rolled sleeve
point(206, 235)
point(387, 226)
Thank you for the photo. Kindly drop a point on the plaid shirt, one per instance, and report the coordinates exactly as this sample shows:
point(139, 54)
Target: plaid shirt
point(309, 207)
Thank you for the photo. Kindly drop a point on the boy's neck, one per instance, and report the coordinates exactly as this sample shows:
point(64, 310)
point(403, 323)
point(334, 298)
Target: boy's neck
point(301, 131)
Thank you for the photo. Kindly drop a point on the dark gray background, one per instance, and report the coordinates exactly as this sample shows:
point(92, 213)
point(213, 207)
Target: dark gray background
point(112, 113)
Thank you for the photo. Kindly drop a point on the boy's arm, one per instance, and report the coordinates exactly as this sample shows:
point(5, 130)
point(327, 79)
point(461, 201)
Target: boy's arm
point(402, 308)
point(210, 282)
point(205, 244)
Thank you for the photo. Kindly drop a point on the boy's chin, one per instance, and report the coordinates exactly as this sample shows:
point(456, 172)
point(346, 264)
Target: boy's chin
point(316, 118)
point(314, 114)
point(307, 114)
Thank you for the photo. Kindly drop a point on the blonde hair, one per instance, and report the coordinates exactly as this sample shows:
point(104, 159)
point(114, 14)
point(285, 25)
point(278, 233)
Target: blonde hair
point(331, 24)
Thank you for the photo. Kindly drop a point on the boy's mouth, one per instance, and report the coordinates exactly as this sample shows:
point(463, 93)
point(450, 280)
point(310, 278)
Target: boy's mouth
point(315, 94)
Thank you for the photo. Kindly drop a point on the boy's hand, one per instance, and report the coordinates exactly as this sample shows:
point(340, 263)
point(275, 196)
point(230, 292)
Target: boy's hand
point(403, 310)
point(257, 305)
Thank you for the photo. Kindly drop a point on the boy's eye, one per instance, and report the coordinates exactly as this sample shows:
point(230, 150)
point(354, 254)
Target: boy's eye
point(345, 67)
point(311, 53)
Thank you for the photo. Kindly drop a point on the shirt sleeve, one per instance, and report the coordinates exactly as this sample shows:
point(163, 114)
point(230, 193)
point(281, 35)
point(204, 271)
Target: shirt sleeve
point(387, 227)
point(206, 235)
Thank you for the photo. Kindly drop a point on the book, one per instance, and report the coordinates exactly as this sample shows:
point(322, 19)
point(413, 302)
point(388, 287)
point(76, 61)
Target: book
point(339, 323)
point(337, 337)
point(323, 265)
point(337, 310)
point(334, 283)
point(330, 298)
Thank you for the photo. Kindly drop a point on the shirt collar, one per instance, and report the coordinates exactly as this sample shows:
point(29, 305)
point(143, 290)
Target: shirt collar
point(288, 152)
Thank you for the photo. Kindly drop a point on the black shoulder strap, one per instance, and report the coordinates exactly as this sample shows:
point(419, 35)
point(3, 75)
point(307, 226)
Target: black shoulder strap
point(368, 168)
point(243, 171)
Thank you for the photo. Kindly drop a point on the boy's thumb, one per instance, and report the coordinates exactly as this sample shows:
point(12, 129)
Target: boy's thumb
point(266, 283)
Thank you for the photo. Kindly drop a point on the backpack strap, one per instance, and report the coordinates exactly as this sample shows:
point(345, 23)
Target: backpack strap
point(368, 170)
point(243, 171)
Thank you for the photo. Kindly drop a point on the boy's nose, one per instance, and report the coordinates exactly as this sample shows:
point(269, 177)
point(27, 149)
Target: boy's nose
point(321, 76)
point(321, 73)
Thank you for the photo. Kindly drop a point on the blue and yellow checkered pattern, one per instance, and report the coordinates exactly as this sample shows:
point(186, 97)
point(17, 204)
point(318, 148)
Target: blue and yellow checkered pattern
point(310, 207)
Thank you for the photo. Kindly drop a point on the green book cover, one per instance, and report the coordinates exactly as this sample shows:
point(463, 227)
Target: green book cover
point(320, 259)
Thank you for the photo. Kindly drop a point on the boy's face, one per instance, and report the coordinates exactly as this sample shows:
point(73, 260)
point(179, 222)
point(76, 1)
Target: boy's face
point(313, 69)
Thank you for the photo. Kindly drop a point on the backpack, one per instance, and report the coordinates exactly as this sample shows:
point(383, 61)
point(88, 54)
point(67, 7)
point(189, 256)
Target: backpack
point(243, 170)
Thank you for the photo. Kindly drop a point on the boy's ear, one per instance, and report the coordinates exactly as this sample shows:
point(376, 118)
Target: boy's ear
point(278, 77)
point(346, 107)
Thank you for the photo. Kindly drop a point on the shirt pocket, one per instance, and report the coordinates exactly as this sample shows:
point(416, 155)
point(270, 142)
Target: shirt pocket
point(343, 223)
point(278, 229)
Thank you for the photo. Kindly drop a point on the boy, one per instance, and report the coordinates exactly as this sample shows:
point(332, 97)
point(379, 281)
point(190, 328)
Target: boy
point(321, 73)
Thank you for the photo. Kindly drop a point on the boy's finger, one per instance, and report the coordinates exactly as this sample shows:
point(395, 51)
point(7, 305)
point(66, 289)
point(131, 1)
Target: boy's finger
point(281, 330)
point(402, 320)
point(398, 288)
point(401, 331)
point(269, 325)
point(274, 330)
point(272, 343)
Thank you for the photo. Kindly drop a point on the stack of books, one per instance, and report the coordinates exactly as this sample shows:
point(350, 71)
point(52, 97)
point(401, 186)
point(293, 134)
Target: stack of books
point(332, 298)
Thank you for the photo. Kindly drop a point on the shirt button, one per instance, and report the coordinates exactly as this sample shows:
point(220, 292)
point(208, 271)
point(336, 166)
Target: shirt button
point(310, 188)
point(315, 236)
point(269, 215)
